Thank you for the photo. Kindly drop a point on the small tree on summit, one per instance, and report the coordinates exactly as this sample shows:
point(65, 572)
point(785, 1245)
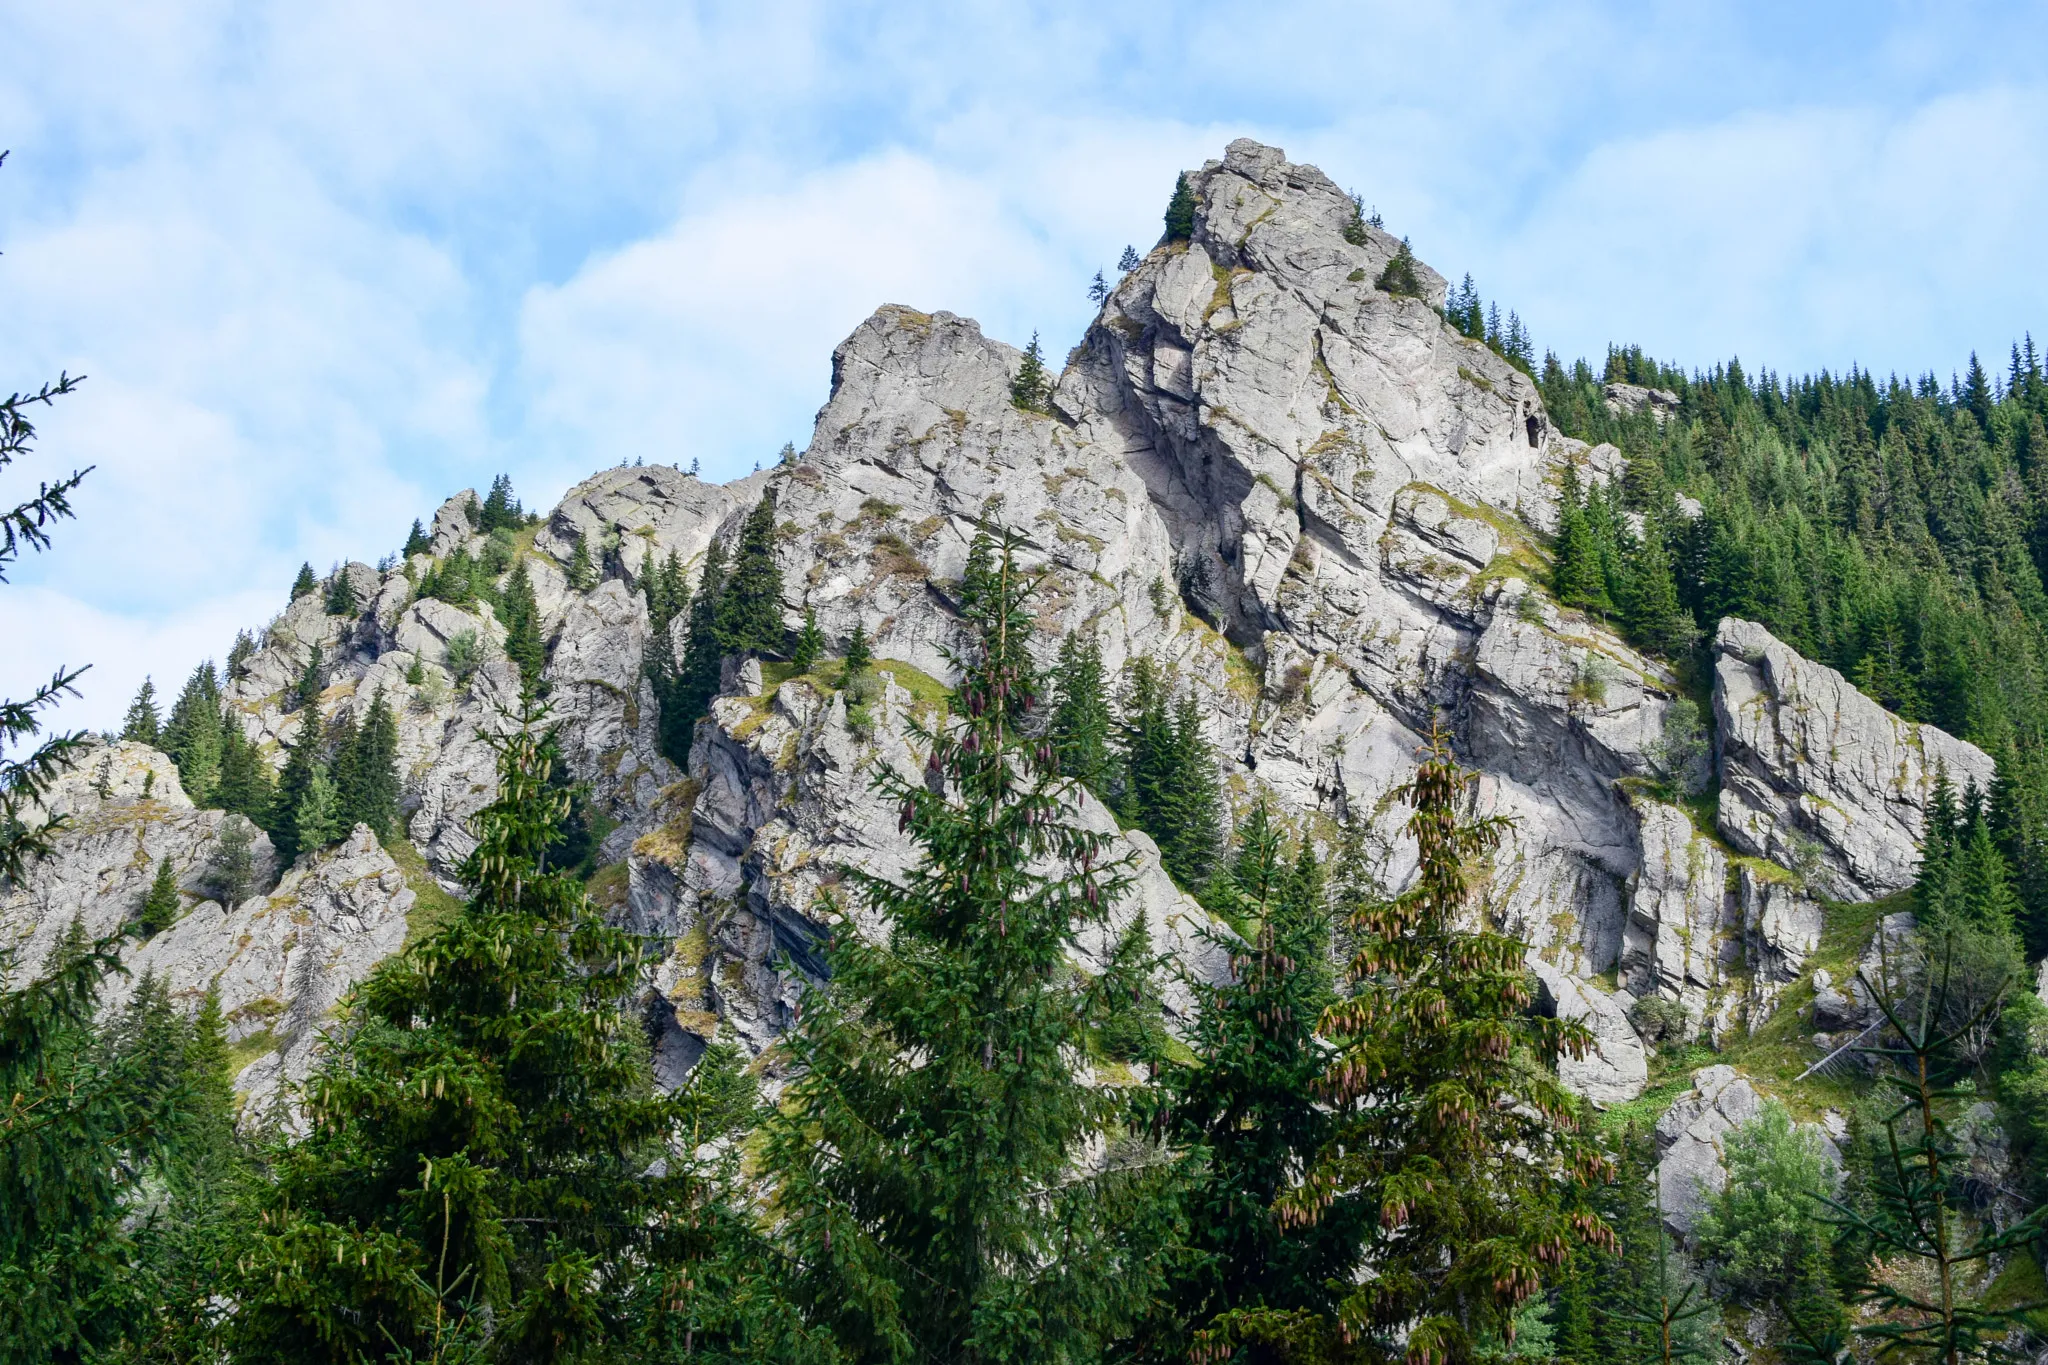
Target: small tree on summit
point(750, 611)
point(1180, 211)
point(1099, 289)
point(1399, 278)
point(1128, 261)
point(1031, 389)
point(304, 583)
point(341, 594)
point(142, 723)
point(417, 541)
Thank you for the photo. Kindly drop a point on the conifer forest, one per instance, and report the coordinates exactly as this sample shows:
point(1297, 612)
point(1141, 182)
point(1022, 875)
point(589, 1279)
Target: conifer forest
point(1311, 830)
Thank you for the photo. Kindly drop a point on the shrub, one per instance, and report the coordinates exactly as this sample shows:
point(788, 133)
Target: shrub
point(1660, 1020)
point(1763, 1227)
point(1399, 278)
point(465, 653)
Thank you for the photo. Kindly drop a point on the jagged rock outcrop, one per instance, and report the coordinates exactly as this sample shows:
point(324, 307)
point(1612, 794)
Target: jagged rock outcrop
point(1691, 1139)
point(1816, 776)
point(1630, 399)
point(1618, 1068)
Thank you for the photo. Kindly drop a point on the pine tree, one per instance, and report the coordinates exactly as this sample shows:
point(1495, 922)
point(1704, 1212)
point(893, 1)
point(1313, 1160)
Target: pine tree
point(302, 760)
point(238, 655)
point(231, 867)
point(312, 682)
point(1191, 802)
point(750, 612)
point(305, 582)
point(1399, 277)
point(1180, 212)
point(319, 821)
point(1248, 1102)
point(161, 906)
point(1098, 289)
point(1081, 722)
point(1462, 1153)
point(341, 594)
point(486, 1158)
point(582, 577)
point(1653, 615)
point(142, 725)
point(500, 510)
point(522, 627)
point(374, 798)
point(687, 693)
point(1577, 576)
point(417, 541)
point(192, 737)
point(858, 657)
point(810, 643)
point(344, 769)
point(936, 1210)
point(247, 785)
point(1129, 261)
point(1031, 388)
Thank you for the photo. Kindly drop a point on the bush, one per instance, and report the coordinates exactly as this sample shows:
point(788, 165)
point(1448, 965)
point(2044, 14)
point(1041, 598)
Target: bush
point(1683, 744)
point(1660, 1020)
point(465, 654)
point(1399, 278)
point(1763, 1228)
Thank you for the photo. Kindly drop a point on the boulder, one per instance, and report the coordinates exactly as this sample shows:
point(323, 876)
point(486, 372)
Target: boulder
point(1618, 1068)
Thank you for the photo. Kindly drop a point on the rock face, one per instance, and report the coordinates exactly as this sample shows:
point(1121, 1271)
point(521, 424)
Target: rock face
point(1691, 1140)
point(1315, 505)
point(1816, 776)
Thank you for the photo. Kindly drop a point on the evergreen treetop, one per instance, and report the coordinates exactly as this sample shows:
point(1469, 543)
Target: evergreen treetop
point(1129, 261)
point(417, 541)
point(305, 582)
point(1031, 387)
point(1399, 277)
point(1180, 211)
point(162, 905)
point(810, 643)
point(750, 609)
point(142, 724)
point(341, 594)
point(947, 1210)
point(581, 574)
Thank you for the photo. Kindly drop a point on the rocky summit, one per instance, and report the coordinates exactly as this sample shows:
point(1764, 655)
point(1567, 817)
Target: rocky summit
point(1315, 503)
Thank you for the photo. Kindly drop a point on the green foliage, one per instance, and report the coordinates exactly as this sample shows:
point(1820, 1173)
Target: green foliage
point(247, 785)
point(1452, 1141)
point(750, 609)
point(1482, 322)
point(162, 905)
point(231, 868)
point(466, 652)
point(193, 737)
point(370, 794)
point(1763, 1229)
point(1170, 786)
point(141, 724)
point(305, 582)
point(302, 760)
point(684, 687)
point(482, 1145)
point(581, 574)
point(810, 643)
point(859, 658)
point(319, 820)
point(341, 594)
point(1083, 728)
point(521, 615)
point(1031, 387)
point(1399, 277)
point(936, 1211)
point(312, 682)
point(1180, 212)
point(1128, 262)
point(501, 511)
point(417, 541)
point(1249, 1104)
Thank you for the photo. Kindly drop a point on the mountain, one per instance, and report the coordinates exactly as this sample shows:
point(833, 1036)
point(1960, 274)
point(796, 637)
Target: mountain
point(1322, 507)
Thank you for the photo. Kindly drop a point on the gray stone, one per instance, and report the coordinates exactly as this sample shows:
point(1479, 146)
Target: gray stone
point(1618, 1068)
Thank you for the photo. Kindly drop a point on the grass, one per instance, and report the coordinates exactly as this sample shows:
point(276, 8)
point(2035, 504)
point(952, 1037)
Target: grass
point(249, 1049)
point(432, 905)
point(608, 885)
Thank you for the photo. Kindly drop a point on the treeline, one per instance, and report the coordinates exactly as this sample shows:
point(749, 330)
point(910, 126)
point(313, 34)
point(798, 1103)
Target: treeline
point(1897, 531)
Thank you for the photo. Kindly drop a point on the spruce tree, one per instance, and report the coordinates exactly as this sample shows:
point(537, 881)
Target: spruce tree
point(1081, 725)
point(1129, 261)
point(161, 906)
point(319, 821)
point(963, 1208)
point(344, 769)
point(1464, 1157)
point(487, 1161)
point(306, 582)
point(1180, 212)
point(859, 659)
point(1190, 805)
point(238, 655)
point(810, 643)
point(750, 611)
point(1399, 277)
point(193, 738)
point(302, 760)
point(522, 627)
point(1654, 617)
point(686, 694)
point(231, 867)
point(1031, 388)
point(417, 541)
point(1248, 1103)
point(142, 724)
point(312, 682)
point(247, 785)
point(581, 575)
point(1098, 289)
point(341, 594)
point(374, 797)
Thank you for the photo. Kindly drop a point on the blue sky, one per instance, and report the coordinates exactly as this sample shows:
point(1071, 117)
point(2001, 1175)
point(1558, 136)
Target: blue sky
point(326, 264)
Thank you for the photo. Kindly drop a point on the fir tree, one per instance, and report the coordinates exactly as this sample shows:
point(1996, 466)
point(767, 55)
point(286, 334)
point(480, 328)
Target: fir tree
point(694, 682)
point(193, 738)
point(417, 541)
point(1577, 576)
point(1462, 1154)
point(487, 1158)
point(1191, 806)
point(522, 627)
point(306, 582)
point(582, 577)
point(1180, 212)
point(810, 643)
point(319, 820)
point(1098, 289)
point(1031, 388)
point(936, 1210)
point(341, 594)
point(312, 682)
point(247, 785)
point(302, 760)
point(344, 769)
point(231, 868)
point(1128, 262)
point(142, 725)
point(1399, 277)
point(161, 906)
point(1082, 725)
point(858, 658)
point(1653, 615)
point(374, 796)
point(1248, 1102)
point(750, 611)
point(238, 654)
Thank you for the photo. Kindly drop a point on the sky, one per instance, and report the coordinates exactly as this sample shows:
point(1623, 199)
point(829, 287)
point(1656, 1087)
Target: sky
point(326, 264)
